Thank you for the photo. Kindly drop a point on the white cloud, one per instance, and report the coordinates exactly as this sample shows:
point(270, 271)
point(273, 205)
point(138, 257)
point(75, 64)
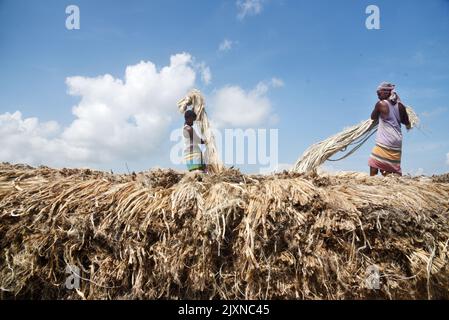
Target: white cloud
point(225, 45)
point(115, 119)
point(447, 158)
point(125, 120)
point(232, 106)
point(206, 74)
point(31, 141)
point(277, 83)
point(249, 8)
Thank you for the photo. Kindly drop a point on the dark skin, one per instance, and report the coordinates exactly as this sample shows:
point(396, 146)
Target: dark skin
point(381, 110)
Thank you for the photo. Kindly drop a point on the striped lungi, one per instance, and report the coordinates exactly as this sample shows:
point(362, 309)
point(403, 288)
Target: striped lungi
point(386, 159)
point(194, 160)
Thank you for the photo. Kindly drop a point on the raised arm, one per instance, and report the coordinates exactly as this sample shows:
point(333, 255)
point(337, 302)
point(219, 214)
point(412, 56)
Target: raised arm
point(190, 131)
point(404, 115)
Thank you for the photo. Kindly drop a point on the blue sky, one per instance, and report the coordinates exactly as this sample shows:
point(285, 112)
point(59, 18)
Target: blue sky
point(322, 53)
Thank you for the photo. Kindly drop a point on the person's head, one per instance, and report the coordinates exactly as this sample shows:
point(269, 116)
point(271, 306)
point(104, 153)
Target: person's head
point(190, 117)
point(384, 90)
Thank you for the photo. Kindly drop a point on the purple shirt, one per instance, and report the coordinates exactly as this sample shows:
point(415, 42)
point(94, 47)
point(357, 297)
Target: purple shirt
point(389, 132)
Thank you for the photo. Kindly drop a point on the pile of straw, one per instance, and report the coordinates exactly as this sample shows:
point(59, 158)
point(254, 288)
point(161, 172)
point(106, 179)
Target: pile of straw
point(355, 136)
point(163, 234)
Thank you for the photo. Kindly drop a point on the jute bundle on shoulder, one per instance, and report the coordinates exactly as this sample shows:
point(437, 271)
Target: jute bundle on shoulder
point(355, 136)
point(196, 100)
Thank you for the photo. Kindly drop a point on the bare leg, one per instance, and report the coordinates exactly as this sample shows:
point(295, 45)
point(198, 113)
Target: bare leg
point(373, 171)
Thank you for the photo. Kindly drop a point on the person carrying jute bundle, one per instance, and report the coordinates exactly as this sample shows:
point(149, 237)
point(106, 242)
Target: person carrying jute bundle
point(195, 99)
point(193, 155)
point(391, 113)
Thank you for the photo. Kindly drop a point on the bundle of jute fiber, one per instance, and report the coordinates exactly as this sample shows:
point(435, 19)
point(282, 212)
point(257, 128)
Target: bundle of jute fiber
point(195, 99)
point(163, 234)
point(318, 153)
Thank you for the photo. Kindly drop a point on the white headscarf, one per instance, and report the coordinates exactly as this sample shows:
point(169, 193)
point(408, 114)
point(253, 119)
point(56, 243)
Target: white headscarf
point(390, 87)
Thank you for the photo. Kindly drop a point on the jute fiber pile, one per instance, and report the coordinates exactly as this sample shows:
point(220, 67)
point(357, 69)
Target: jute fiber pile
point(164, 234)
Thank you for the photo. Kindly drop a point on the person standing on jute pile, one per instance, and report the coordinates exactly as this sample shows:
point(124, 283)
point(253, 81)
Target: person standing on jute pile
point(193, 155)
point(391, 113)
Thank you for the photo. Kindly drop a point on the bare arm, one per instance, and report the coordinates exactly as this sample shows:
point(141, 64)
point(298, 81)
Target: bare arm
point(190, 131)
point(404, 115)
point(381, 109)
